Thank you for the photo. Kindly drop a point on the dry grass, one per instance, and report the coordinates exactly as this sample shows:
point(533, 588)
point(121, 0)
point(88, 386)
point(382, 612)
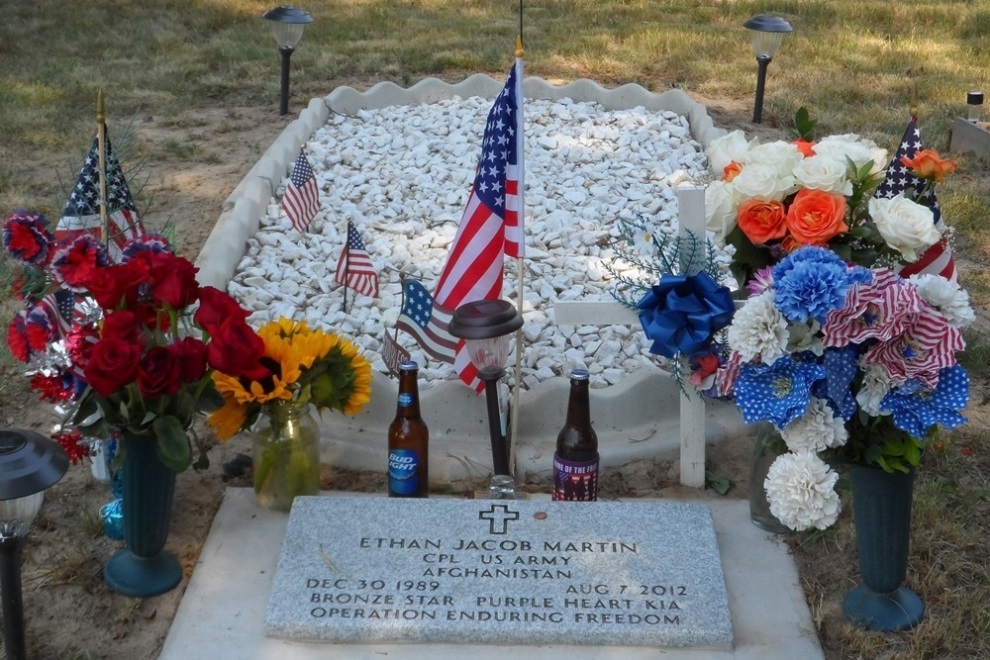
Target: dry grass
point(854, 68)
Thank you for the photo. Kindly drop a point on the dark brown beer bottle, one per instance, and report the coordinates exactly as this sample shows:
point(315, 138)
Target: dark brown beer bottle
point(408, 440)
point(575, 463)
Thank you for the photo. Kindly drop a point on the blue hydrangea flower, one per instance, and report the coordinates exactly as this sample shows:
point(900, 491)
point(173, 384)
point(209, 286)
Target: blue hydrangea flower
point(778, 393)
point(810, 282)
point(917, 408)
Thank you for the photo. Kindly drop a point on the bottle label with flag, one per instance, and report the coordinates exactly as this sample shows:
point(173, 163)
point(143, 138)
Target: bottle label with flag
point(575, 481)
point(403, 472)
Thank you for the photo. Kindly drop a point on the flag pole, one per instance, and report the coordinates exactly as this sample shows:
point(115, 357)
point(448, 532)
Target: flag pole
point(347, 265)
point(101, 149)
point(519, 261)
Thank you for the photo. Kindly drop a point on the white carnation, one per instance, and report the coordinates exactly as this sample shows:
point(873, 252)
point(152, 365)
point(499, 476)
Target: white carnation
point(950, 299)
point(762, 181)
point(720, 209)
point(801, 491)
point(817, 430)
point(906, 226)
point(759, 329)
point(783, 156)
point(823, 172)
point(876, 383)
point(723, 150)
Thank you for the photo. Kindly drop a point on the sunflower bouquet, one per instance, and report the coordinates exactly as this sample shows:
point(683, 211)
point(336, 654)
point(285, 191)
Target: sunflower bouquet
point(296, 368)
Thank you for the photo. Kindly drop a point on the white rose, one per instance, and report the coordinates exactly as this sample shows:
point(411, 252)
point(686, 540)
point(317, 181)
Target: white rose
point(723, 150)
point(784, 156)
point(720, 209)
point(824, 173)
point(906, 226)
point(762, 181)
point(859, 150)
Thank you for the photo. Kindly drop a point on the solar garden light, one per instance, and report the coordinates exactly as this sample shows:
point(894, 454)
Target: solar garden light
point(768, 34)
point(287, 27)
point(485, 326)
point(29, 464)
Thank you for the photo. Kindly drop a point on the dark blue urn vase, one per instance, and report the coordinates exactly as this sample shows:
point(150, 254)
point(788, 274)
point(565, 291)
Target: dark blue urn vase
point(882, 508)
point(143, 568)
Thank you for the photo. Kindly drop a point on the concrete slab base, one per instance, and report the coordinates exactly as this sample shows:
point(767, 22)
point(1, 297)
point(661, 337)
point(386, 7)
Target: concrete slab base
point(222, 614)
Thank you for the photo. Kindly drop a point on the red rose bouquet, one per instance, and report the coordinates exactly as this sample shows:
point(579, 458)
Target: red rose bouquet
point(128, 347)
point(150, 369)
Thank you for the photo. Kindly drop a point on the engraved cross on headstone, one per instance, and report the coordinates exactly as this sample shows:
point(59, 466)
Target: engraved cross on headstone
point(498, 518)
point(691, 220)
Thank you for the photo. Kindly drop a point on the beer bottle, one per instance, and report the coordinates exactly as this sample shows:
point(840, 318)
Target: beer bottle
point(575, 463)
point(408, 440)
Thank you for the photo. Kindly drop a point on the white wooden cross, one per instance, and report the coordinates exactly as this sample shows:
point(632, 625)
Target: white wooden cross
point(691, 219)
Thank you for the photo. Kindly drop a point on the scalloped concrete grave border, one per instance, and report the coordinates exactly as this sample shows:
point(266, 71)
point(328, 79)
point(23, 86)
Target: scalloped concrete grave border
point(634, 419)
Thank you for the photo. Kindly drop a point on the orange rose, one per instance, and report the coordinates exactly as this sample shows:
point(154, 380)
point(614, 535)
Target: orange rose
point(731, 171)
point(927, 164)
point(761, 221)
point(805, 147)
point(816, 217)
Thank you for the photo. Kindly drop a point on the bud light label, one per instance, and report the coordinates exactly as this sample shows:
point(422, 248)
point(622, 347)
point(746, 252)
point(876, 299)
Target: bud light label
point(575, 481)
point(405, 399)
point(403, 477)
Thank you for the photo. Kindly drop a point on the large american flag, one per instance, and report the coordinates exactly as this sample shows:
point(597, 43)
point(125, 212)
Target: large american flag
point(492, 223)
point(427, 322)
point(81, 214)
point(936, 260)
point(354, 268)
point(301, 201)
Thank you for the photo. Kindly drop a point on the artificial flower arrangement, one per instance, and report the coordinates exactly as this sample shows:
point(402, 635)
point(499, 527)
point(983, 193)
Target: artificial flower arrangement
point(683, 315)
point(290, 367)
point(851, 363)
point(131, 345)
point(770, 199)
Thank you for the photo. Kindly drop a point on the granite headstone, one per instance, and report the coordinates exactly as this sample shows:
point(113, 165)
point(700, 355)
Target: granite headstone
point(358, 570)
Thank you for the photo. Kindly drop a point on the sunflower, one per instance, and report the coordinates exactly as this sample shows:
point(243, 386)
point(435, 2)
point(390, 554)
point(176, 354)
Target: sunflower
point(305, 365)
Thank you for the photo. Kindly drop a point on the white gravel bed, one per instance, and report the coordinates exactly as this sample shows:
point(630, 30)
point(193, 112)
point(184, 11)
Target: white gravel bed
point(403, 175)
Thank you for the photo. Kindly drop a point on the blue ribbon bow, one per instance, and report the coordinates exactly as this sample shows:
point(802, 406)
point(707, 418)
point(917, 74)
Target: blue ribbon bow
point(682, 313)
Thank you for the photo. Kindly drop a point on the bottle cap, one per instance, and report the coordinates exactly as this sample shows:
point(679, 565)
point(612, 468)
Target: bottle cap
point(408, 365)
point(579, 374)
point(974, 98)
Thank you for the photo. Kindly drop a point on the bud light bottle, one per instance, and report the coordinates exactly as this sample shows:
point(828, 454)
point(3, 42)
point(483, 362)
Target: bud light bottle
point(408, 440)
point(575, 463)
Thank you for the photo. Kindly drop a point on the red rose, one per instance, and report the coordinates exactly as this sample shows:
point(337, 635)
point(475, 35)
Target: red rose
point(112, 364)
point(215, 307)
point(158, 373)
point(117, 283)
point(125, 326)
point(190, 353)
point(235, 350)
point(173, 280)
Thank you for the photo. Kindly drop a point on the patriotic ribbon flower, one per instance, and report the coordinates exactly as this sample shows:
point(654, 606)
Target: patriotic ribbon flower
point(682, 313)
point(863, 367)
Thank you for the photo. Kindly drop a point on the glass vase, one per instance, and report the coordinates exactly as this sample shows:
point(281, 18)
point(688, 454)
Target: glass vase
point(767, 447)
point(286, 452)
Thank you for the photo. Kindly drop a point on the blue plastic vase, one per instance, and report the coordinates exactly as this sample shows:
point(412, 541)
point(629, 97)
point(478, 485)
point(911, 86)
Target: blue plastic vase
point(144, 569)
point(882, 508)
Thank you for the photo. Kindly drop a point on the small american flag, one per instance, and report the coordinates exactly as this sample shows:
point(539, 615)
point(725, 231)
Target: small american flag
point(492, 223)
point(393, 355)
point(81, 214)
point(936, 260)
point(301, 201)
point(354, 268)
point(427, 322)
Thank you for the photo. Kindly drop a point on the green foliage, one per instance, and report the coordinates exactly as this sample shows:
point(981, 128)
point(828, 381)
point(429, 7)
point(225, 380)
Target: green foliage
point(804, 125)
